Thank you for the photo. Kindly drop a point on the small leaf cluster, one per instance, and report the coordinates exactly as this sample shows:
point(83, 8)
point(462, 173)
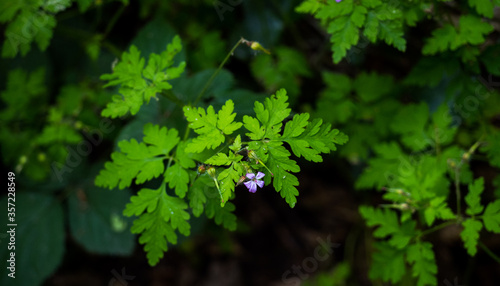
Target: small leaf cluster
point(347, 21)
point(417, 152)
point(472, 226)
point(139, 82)
point(399, 248)
point(31, 21)
point(307, 139)
point(417, 187)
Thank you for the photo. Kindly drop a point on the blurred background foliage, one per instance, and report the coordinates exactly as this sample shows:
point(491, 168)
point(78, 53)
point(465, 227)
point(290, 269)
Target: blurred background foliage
point(53, 137)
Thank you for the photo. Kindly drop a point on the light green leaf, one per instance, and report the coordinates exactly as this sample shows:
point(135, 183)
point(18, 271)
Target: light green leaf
point(388, 263)
point(223, 215)
point(197, 194)
point(424, 266)
point(225, 121)
point(210, 126)
point(491, 217)
point(388, 225)
point(228, 179)
point(438, 208)
point(138, 160)
point(483, 7)
point(473, 198)
point(159, 216)
point(178, 179)
point(139, 83)
point(470, 235)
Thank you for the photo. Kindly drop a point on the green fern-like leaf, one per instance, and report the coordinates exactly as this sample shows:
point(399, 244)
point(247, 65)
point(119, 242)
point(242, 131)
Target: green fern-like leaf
point(228, 178)
point(222, 215)
point(388, 225)
point(473, 198)
point(491, 217)
point(471, 30)
point(345, 20)
point(307, 139)
point(178, 179)
point(424, 266)
point(31, 86)
point(483, 7)
point(470, 235)
point(379, 172)
point(310, 139)
point(210, 126)
point(28, 22)
point(388, 263)
point(197, 194)
point(493, 149)
point(139, 83)
point(159, 216)
point(437, 208)
point(281, 165)
point(142, 161)
point(271, 115)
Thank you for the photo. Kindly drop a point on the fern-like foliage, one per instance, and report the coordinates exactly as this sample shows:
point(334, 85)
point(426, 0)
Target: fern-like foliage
point(159, 216)
point(470, 30)
point(140, 82)
point(210, 126)
point(419, 183)
point(142, 161)
point(29, 21)
point(163, 154)
point(306, 138)
point(348, 20)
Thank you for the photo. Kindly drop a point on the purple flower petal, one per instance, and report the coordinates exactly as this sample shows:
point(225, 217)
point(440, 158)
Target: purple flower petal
point(260, 184)
point(254, 181)
point(252, 186)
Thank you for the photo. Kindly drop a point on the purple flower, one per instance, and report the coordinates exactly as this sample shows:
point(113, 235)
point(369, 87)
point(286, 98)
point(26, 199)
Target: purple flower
point(338, 1)
point(254, 181)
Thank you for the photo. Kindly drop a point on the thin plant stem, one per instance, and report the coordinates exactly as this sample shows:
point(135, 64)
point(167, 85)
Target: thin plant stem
point(209, 82)
point(437, 227)
point(465, 157)
point(170, 95)
point(489, 252)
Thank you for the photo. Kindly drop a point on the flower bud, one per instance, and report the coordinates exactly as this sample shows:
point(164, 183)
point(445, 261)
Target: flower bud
point(258, 47)
point(202, 169)
point(241, 180)
point(252, 155)
point(211, 172)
